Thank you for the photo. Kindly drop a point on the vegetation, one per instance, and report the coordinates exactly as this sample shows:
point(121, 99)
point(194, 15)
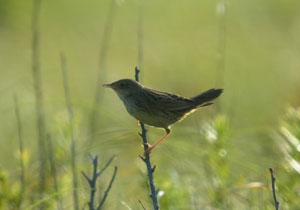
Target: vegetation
point(217, 158)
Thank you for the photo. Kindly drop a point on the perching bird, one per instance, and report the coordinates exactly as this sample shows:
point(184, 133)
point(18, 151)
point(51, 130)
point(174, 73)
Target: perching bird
point(157, 108)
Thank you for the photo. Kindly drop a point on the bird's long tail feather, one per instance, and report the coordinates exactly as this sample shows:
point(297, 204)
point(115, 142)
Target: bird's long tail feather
point(205, 98)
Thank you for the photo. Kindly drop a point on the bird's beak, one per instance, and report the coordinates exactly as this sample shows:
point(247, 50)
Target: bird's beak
point(107, 86)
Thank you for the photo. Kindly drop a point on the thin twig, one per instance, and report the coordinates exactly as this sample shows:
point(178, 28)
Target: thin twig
point(21, 148)
point(144, 208)
point(71, 122)
point(102, 66)
point(140, 36)
point(106, 165)
point(136, 76)
point(93, 180)
point(38, 96)
point(150, 170)
point(54, 173)
point(273, 179)
point(108, 188)
point(146, 159)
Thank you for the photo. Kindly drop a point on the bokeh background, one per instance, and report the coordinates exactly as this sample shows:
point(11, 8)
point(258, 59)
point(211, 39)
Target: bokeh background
point(217, 158)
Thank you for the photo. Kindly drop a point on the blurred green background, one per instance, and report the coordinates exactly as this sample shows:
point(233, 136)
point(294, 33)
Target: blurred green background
point(217, 158)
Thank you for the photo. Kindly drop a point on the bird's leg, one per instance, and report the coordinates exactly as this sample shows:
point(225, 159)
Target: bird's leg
point(150, 149)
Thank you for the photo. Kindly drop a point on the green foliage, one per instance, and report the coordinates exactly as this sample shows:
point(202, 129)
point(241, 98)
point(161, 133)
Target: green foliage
point(10, 194)
point(173, 194)
point(211, 160)
point(289, 144)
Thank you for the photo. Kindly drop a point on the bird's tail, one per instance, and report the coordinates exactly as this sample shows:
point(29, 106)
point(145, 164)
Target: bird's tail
point(205, 98)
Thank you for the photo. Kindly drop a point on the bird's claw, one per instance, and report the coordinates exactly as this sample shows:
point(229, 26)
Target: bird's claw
point(147, 145)
point(148, 150)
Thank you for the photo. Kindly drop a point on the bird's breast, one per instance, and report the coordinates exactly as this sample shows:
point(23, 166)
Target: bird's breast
point(142, 112)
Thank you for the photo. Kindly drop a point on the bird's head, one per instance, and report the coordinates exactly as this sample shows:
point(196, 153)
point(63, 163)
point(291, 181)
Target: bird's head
point(125, 87)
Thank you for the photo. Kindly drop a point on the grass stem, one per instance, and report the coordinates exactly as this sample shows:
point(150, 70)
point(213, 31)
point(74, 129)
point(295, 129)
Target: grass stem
point(102, 67)
point(39, 106)
point(21, 150)
point(53, 172)
point(71, 123)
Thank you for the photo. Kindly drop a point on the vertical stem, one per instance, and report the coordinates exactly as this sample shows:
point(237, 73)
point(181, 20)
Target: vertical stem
point(102, 67)
point(150, 169)
point(39, 106)
point(21, 148)
point(140, 36)
point(54, 172)
point(93, 182)
point(71, 121)
point(221, 53)
point(222, 12)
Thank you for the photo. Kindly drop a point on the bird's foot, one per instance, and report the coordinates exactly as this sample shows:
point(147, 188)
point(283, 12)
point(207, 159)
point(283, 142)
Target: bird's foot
point(147, 145)
point(149, 149)
point(138, 122)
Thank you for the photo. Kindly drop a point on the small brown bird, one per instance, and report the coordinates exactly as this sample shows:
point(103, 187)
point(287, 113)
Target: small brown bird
point(157, 108)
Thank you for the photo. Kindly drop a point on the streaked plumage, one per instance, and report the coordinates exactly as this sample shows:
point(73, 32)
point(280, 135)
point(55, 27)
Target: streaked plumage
point(158, 108)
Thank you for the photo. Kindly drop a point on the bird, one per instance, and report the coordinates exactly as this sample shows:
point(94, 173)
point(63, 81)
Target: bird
point(158, 108)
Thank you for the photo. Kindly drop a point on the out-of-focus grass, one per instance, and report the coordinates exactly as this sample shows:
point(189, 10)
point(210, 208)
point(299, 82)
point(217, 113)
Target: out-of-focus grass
point(210, 161)
point(288, 138)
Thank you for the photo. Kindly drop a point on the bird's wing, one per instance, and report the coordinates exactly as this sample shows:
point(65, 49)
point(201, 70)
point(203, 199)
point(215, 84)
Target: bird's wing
point(167, 101)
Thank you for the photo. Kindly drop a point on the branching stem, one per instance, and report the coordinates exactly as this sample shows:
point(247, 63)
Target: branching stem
point(39, 106)
point(146, 159)
point(93, 180)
